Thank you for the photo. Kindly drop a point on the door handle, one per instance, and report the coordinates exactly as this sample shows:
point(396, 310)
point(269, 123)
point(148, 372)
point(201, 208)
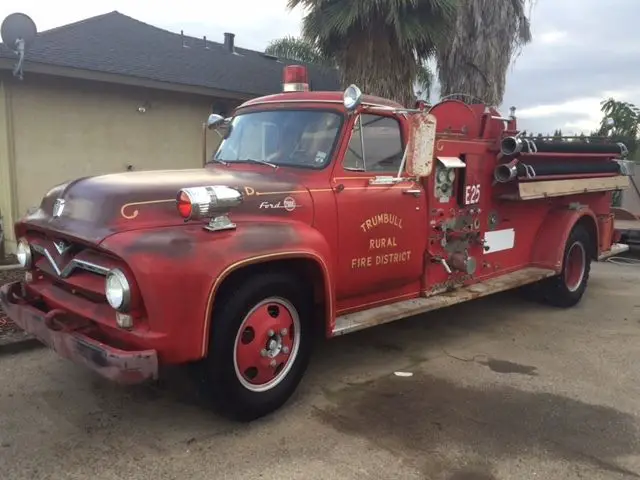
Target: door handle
point(413, 191)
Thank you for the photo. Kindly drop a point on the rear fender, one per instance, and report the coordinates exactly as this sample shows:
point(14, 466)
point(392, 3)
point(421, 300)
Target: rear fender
point(548, 249)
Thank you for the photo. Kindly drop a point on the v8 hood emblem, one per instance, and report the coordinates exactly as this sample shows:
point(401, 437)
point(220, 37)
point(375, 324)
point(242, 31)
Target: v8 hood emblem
point(61, 246)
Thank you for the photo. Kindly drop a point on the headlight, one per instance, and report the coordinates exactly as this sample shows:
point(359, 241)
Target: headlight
point(23, 253)
point(118, 290)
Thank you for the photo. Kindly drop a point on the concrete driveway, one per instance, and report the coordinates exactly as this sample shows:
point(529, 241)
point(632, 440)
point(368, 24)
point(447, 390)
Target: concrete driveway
point(501, 389)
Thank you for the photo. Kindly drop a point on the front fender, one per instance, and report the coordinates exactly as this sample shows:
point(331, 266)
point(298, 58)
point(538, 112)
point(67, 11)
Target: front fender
point(179, 269)
point(548, 249)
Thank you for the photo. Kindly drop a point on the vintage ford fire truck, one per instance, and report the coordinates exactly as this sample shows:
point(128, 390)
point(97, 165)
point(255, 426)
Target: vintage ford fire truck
point(320, 214)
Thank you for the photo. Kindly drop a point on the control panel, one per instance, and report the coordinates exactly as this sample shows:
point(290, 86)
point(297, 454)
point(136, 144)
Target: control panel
point(456, 240)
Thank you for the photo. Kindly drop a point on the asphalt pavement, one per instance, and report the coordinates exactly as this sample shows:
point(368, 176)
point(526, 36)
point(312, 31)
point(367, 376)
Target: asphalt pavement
point(494, 389)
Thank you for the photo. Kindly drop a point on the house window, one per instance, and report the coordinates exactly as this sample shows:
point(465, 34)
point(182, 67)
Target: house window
point(382, 140)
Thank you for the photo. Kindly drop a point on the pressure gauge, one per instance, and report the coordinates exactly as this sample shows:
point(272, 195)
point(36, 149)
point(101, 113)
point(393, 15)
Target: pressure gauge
point(452, 175)
point(442, 175)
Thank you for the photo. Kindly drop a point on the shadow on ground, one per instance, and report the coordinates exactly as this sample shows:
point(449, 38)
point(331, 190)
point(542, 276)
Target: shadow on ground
point(423, 418)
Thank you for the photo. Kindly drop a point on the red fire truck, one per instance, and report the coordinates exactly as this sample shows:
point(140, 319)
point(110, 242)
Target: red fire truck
point(320, 214)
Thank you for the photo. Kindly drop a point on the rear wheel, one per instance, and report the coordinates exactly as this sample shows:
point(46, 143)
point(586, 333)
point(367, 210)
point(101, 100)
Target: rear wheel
point(260, 346)
point(566, 289)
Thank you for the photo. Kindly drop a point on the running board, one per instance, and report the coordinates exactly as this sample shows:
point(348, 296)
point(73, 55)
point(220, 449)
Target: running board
point(616, 249)
point(353, 322)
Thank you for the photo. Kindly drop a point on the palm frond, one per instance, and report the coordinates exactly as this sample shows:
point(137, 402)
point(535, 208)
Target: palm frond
point(292, 48)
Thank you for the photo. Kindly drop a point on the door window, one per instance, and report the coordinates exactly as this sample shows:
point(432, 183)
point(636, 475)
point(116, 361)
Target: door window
point(375, 145)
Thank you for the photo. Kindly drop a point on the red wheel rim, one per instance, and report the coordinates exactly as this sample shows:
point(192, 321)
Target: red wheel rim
point(266, 344)
point(575, 266)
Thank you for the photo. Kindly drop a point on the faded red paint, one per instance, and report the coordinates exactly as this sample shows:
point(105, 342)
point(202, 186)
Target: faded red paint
point(370, 244)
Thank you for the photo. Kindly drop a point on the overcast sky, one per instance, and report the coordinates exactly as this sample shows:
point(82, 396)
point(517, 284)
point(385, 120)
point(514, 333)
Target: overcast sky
point(582, 50)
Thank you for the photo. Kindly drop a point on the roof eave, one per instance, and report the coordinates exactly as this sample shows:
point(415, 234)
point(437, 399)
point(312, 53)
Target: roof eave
point(91, 75)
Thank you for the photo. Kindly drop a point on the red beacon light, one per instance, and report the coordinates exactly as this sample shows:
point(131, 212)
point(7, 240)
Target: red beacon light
point(295, 79)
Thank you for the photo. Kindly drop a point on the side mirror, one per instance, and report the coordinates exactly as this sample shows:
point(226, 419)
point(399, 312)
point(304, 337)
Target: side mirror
point(219, 124)
point(420, 147)
point(352, 98)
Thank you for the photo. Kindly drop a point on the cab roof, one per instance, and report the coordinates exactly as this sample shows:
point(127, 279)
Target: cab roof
point(320, 97)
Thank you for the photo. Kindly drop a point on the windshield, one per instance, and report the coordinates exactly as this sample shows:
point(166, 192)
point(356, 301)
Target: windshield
point(298, 138)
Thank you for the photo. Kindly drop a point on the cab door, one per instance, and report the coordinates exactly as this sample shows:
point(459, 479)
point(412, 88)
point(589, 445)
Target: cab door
point(381, 227)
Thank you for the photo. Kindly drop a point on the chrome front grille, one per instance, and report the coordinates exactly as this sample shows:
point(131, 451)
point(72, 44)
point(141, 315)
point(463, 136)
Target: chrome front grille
point(61, 258)
point(73, 264)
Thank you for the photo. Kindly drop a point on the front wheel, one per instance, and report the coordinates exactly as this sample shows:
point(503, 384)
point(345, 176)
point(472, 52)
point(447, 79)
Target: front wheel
point(566, 290)
point(260, 346)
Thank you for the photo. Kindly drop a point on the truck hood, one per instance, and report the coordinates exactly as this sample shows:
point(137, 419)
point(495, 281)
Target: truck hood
point(96, 207)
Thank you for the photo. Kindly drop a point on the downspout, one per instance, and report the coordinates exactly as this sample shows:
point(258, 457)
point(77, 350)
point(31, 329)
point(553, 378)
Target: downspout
point(8, 190)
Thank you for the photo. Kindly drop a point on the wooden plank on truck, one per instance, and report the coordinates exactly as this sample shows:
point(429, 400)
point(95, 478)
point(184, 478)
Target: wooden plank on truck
point(559, 188)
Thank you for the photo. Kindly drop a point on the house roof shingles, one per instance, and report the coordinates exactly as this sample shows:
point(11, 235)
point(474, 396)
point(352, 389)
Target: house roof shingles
point(114, 43)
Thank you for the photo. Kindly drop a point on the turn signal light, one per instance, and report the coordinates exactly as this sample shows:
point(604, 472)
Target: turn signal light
point(184, 205)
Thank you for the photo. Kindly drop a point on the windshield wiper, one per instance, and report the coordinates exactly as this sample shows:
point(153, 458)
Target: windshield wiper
point(261, 162)
point(218, 161)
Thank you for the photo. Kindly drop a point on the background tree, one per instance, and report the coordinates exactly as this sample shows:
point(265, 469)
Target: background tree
point(298, 49)
point(620, 123)
point(380, 45)
point(557, 136)
point(487, 36)
point(626, 124)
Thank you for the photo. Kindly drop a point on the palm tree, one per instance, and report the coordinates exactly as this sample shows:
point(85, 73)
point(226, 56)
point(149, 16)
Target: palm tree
point(300, 50)
point(487, 36)
point(380, 45)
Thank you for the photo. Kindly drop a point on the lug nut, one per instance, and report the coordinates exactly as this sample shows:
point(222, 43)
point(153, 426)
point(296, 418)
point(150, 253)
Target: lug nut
point(271, 333)
point(263, 352)
point(283, 332)
point(285, 350)
point(273, 363)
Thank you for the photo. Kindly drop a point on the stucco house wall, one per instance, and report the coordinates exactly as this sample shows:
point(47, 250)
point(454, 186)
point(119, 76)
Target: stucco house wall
point(59, 129)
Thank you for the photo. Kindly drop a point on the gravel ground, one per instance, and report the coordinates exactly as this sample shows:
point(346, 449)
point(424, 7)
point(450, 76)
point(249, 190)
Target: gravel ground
point(6, 325)
point(500, 389)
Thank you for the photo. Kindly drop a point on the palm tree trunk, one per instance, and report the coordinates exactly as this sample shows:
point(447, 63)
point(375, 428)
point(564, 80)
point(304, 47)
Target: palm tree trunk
point(373, 63)
point(474, 60)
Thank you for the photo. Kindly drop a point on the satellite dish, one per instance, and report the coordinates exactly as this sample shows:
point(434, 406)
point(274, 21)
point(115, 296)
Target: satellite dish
point(18, 32)
point(18, 26)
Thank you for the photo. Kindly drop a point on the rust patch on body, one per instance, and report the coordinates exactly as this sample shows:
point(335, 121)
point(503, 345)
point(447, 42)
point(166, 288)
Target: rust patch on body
point(267, 237)
point(171, 242)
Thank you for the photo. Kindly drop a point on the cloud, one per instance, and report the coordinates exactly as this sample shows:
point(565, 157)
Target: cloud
point(553, 37)
point(582, 50)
